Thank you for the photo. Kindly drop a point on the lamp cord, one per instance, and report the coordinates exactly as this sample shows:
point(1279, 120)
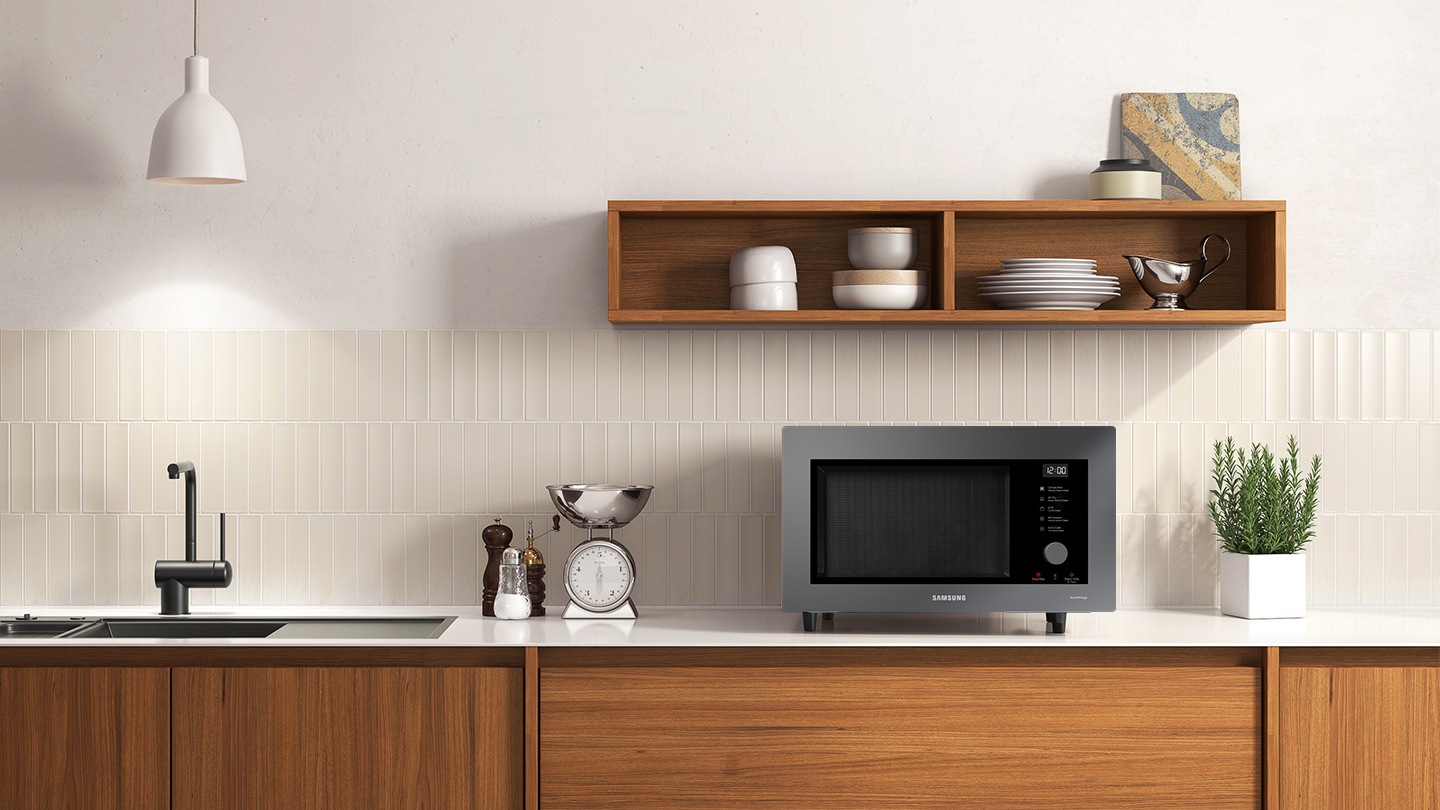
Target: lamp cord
point(195, 30)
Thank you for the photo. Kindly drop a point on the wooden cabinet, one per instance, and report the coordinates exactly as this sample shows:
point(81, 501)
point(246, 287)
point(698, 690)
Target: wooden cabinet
point(933, 728)
point(669, 259)
point(1360, 729)
point(92, 737)
point(346, 736)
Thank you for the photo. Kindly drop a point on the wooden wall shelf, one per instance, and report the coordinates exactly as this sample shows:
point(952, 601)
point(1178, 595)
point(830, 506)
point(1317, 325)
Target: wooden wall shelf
point(669, 259)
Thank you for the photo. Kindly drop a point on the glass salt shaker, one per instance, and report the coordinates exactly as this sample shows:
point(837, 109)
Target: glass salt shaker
point(512, 599)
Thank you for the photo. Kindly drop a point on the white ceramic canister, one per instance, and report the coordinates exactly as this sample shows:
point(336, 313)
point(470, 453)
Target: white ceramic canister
point(762, 264)
point(1125, 179)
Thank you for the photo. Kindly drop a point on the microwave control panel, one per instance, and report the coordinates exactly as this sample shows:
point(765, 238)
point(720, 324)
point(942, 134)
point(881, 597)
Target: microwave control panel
point(1050, 522)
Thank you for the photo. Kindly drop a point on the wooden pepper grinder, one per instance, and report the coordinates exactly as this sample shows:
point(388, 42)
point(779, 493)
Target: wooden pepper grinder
point(497, 538)
point(535, 566)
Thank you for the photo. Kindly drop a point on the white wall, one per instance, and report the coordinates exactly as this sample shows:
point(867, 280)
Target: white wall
point(446, 163)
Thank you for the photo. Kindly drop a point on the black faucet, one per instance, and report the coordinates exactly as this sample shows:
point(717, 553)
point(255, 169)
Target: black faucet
point(175, 578)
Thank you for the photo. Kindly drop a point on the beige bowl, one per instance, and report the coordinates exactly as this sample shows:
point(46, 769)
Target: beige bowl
point(879, 296)
point(915, 278)
point(881, 248)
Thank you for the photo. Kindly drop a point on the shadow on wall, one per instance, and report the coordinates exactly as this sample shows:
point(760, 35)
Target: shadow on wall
point(540, 274)
point(1075, 185)
point(45, 143)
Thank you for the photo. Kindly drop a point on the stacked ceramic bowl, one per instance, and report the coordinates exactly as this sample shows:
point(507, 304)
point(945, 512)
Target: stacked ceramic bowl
point(1048, 284)
point(762, 277)
point(882, 278)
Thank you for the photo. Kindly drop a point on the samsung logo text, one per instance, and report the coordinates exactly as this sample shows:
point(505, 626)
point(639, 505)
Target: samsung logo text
point(947, 597)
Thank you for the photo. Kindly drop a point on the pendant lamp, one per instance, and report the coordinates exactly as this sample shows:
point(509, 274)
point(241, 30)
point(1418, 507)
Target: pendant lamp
point(196, 141)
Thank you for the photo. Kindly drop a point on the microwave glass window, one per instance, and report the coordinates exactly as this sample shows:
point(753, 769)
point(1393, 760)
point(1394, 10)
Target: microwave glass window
point(887, 521)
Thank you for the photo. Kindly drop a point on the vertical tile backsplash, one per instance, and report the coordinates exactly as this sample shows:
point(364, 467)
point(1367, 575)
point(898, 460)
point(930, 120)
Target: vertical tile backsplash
point(358, 467)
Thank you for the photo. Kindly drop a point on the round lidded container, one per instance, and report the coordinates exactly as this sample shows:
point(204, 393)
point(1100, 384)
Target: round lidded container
point(762, 264)
point(1125, 179)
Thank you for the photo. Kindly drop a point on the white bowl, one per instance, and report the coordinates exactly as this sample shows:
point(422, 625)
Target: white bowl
point(766, 295)
point(882, 248)
point(760, 264)
point(880, 296)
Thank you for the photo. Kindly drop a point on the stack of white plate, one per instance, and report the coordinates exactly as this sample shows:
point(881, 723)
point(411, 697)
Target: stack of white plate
point(1048, 284)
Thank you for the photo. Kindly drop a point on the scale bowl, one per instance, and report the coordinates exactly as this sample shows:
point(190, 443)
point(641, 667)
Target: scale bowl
point(599, 506)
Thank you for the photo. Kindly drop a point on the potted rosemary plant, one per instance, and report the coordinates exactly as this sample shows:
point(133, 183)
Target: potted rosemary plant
point(1264, 514)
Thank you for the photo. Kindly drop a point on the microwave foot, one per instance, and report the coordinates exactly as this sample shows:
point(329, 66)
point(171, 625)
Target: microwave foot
point(1055, 622)
point(810, 620)
point(827, 617)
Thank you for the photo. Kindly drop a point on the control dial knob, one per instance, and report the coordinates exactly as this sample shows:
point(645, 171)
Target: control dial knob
point(1056, 553)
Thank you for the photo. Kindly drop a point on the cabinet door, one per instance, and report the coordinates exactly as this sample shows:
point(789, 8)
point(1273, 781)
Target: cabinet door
point(1357, 736)
point(348, 737)
point(897, 736)
point(91, 737)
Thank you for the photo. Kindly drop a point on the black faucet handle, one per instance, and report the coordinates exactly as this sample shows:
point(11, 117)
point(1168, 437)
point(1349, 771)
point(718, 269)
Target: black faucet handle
point(222, 536)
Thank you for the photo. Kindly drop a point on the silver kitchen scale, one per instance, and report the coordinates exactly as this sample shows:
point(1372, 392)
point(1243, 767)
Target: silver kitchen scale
point(600, 572)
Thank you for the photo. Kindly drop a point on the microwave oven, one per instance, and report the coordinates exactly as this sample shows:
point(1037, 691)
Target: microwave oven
point(948, 519)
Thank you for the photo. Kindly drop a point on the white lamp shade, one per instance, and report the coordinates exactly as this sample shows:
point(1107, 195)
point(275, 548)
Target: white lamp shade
point(196, 140)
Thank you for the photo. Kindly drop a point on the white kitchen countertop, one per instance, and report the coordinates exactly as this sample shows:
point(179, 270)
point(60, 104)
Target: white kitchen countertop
point(770, 627)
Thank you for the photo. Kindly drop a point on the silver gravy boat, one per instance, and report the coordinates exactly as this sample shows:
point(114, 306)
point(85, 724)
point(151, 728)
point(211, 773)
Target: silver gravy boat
point(1170, 283)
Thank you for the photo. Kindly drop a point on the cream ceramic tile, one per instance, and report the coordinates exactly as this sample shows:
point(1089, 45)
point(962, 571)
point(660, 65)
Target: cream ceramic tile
point(345, 563)
point(393, 376)
point(284, 467)
point(109, 566)
point(1142, 472)
point(1205, 378)
point(752, 561)
point(1395, 563)
point(33, 552)
point(426, 489)
point(892, 382)
point(1382, 451)
point(417, 375)
point(1133, 581)
point(764, 467)
point(175, 379)
point(1372, 374)
point(630, 381)
point(344, 358)
point(441, 375)
point(1109, 347)
point(1405, 467)
point(355, 468)
point(309, 468)
point(1397, 375)
point(393, 574)
point(260, 468)
point(67, 467)
point(1299, 365)
point(917, 382)
point(33, 368)
point(464, 370)
point(212, 467)
point(990, 376)
point(213, 380)
point(1358, 470)
point(1420, 376)
point(12, 559)
point(1038, 375)
point(132, 362)
point(92, 465)
point(249, 363)
point(738, 467)
point(1347, 560)
point(106, 380)
point(547, 463)
point(57, 560)
point(452, 467)
point(1230, 375)
point(1169, 473)
point(1323, 368)
point(152, 449)
point(58, 372)
point(440, 551)
point(655, 354)
point(297, 559)
point(751, 376)
point(528, 495)
point(847, 376)
point(191, 386)
point(1157, 375)
point(1277, 375)
point(1012, 375)
point(319, 396)
point(237, 463)
point(497, 474)
point(941, 375)
point(1420, 562)
point(679, 543)
point(585, 358)
point(5, 469)
point(798, 376)
point(773, 375)
point(1347, 374)
point(47, 440)
point(369, 571)
point(703, 568)
point(1061, 406)
point(427, 466)
point(417, 560)
point(654, 558)
point(465, 572)
point(668, 477)
point(1253, 384)
point(12, 360)
point(272, 375)
point(1086, 371)
point(332, 468)
point(701, 374)
point(403, 472)
point(370, 377)
point(1372, 559)
point(82, 375)
point(81, 575)
point(378, 465)
point(727, 559)
point(497, 481)
point(713, 472)
point(128, 575)
point(770, 559)
point(1159, 547)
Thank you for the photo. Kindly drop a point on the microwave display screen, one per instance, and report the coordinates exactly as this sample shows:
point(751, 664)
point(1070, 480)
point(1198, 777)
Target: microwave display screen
point(942, 521)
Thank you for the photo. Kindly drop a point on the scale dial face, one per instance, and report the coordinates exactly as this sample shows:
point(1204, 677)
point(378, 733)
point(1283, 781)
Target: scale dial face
point(599, 575)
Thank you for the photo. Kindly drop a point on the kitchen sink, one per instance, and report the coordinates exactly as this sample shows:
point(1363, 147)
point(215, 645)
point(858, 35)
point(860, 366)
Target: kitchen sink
point(385, 627)
point(39, 628)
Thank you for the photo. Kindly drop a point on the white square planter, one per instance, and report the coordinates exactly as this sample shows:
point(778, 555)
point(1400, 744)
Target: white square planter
point(1262, 586)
